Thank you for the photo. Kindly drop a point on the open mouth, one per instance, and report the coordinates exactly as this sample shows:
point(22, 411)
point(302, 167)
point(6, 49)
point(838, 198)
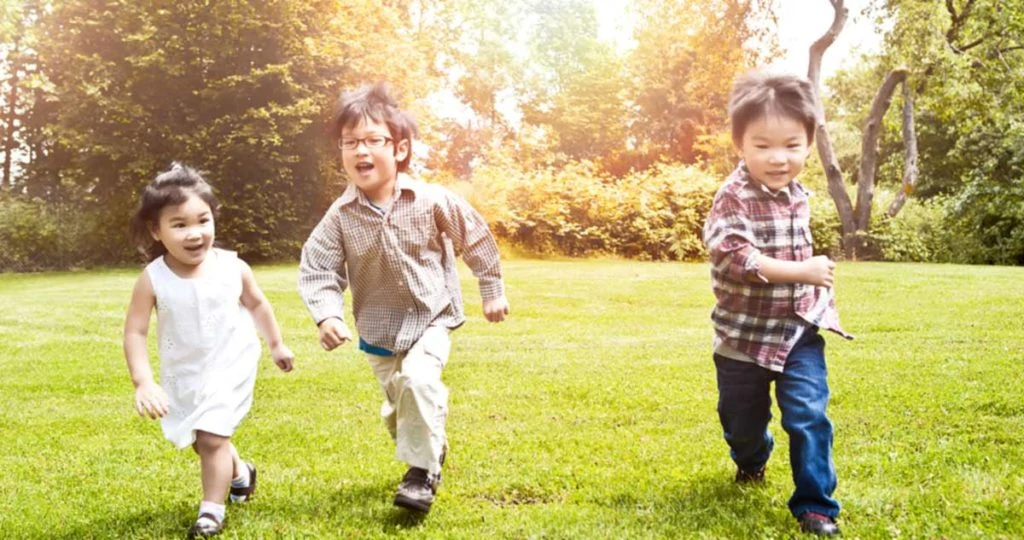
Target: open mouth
point(195, 249)
point(364, 167)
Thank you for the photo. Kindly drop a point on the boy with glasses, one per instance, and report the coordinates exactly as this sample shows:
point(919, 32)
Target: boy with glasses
point(392, 239)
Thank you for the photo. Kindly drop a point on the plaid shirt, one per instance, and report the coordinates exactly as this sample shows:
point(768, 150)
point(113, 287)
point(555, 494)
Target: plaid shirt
point(759, 319)
point(400, 262)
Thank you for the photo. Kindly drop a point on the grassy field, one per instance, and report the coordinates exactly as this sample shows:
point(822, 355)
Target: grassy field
point(589, 414)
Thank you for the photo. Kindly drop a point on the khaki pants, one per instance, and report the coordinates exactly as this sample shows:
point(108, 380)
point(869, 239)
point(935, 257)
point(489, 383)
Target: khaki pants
point(416, 401)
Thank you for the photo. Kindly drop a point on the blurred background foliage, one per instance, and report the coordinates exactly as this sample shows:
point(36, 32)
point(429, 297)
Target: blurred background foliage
point(570, 143)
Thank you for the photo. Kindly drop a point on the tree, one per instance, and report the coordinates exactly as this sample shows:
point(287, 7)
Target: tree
point(685, 55)
point(854, 221)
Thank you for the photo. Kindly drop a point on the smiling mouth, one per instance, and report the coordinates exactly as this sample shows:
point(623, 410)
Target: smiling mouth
point(364, 167)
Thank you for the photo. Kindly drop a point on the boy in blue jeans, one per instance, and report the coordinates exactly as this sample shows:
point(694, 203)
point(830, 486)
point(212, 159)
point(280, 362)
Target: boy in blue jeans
point(773, 296)
point(393, 239)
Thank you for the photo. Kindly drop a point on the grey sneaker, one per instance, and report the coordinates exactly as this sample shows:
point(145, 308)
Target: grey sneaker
point(416, 492)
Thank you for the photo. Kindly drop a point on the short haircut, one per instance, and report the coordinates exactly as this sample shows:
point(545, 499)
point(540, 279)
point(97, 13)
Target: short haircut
point(374, 102)
point(169, 188)
point(757, 94)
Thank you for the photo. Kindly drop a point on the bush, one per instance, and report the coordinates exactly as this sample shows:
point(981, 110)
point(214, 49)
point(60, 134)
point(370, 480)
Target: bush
point(576, 210)
point(28, 234)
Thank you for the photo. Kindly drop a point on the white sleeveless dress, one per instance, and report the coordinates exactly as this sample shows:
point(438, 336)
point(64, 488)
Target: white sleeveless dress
point(209, 349)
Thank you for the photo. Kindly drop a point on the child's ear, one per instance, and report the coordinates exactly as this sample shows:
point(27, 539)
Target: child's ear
point(402, 149)
point(154, 231)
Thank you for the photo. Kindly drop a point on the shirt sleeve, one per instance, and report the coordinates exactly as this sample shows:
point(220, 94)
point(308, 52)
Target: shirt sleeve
point(730, 240)
point(471, 236)
point(322, 276)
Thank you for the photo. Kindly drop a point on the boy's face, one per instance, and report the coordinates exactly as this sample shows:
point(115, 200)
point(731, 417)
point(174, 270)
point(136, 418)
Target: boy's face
point(774, 148)
point(372, 163)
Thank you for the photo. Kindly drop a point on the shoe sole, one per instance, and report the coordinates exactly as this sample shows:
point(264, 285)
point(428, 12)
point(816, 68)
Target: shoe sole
point(412, 504)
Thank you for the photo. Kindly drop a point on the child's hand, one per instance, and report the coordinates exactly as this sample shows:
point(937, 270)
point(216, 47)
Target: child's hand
point(150, 400)
point(496, 309)
point(283, 357)
point(820, 271)
point(334, 332)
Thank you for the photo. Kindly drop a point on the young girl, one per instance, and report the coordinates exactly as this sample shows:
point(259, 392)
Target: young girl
point(206, 300)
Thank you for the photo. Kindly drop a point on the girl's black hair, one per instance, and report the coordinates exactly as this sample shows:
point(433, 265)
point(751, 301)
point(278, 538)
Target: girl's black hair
point(375, 102)
point(169, 188)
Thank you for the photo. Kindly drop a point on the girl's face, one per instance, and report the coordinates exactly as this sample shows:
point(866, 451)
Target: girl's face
point(774, 148)
point(186, 230)
point(372, 169)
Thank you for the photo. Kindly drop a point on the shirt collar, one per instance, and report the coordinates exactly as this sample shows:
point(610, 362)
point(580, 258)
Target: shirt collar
point(403, 182)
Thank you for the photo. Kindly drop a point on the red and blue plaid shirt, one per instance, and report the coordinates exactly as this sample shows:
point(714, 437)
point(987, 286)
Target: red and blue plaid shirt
point(759, 319)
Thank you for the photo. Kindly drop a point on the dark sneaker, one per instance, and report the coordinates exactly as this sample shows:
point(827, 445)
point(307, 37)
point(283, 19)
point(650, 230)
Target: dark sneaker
point(206, 526)
point(242, 494)
point(416, 492)
point(819, 524)
point(750, 477)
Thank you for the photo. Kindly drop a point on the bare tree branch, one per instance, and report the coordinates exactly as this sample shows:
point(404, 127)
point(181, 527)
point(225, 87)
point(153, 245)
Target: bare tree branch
point(836, 187)
point(910, 171)
point(869, 146)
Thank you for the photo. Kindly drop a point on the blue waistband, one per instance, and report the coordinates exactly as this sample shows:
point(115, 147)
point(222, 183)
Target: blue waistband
point(373, 349)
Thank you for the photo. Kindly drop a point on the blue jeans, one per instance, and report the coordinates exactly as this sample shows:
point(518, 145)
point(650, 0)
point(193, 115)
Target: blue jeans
point(744, 408)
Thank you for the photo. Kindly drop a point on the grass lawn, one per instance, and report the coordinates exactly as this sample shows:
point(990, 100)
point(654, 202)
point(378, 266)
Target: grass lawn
point(589, 414)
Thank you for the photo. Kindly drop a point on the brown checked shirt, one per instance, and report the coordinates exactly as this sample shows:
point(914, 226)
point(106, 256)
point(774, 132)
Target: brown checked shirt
point(399, 262)
point(762, 320)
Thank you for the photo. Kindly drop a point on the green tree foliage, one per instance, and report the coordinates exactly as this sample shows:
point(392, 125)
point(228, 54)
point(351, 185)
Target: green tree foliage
point(238, 89)
point(966, 62)
point(686, 57)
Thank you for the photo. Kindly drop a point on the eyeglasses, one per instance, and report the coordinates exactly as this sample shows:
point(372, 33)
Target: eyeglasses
point(373, 141)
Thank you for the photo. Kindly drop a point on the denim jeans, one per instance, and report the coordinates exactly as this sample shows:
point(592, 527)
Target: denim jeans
point(744, 408)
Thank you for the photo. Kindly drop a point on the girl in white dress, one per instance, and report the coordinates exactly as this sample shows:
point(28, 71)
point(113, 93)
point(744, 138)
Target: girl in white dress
point(206, 302)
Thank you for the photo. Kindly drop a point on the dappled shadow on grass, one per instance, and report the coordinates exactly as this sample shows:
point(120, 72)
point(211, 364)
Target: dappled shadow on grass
point(152, 523)
point(705, 504)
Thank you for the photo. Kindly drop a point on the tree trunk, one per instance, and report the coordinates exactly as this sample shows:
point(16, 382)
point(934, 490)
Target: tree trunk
point(836, 186)
point(855, 221)
point(910, 153)
point(10, 117)
point(869, 146)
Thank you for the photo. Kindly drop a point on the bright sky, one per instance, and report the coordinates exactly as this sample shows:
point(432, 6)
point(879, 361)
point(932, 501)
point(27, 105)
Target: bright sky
point(800, 23)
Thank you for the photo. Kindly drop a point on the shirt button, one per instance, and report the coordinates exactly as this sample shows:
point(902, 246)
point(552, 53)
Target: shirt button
point(409, 310)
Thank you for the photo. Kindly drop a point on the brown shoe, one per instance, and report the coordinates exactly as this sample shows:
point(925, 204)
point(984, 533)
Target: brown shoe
point(819, 524)
point(245, 493)
point(416, 492)
point(750, 477)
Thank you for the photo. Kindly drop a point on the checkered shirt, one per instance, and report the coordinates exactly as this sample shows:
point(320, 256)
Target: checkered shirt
point(762, 320)
point(400, 262)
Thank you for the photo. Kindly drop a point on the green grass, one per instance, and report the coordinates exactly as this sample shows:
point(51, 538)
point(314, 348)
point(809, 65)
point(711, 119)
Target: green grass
point(589, 414)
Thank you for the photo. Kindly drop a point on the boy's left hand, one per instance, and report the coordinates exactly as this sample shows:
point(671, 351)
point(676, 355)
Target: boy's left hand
point(496, 309)
point(283, 357)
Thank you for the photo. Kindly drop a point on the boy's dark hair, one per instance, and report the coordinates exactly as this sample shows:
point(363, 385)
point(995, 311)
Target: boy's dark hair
point(756, 94)
point(169, 188)
point(375, 102)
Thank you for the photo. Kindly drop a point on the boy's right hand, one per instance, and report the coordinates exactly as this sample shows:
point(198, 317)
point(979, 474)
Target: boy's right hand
point(334, 332)
point(150, 400)
point(820, 271)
